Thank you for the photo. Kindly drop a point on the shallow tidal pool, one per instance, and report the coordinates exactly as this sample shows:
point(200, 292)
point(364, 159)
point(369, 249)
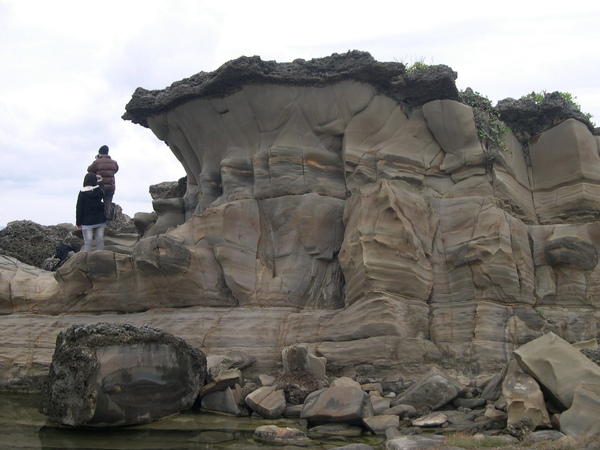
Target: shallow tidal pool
point(23, 427)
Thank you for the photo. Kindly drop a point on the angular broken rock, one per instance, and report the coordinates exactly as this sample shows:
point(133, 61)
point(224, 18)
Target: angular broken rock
point(106, 375)
point(228, 401)
point(268, 401)
point(300, 357)
point(225, 378)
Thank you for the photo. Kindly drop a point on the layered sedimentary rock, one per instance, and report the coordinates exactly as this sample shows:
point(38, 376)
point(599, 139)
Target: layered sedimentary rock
point(349, 205)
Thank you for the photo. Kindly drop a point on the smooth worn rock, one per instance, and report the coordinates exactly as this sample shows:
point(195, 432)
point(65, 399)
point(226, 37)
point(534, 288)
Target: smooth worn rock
point(558, 366)
point(434, 390)
point(281, 436)
point(542, 436)
point(337, 404)
point(402, 411)
point(378, 424)
point(524, 397)
point(434, 419)
point(106, 375)
point(581, 419)
point(494, 414)
point(379, 403)
point(265, 379)
point(415, 442)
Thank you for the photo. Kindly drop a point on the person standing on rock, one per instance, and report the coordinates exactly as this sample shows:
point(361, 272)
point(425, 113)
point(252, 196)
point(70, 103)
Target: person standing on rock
point(89, 213)
point(106, 167)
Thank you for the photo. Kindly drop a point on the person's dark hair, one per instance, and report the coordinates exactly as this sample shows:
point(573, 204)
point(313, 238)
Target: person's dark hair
point(103, 150)
point(90, 179)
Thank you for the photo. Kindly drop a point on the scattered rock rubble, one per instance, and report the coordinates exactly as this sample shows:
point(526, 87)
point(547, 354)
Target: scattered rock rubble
point(550, 391)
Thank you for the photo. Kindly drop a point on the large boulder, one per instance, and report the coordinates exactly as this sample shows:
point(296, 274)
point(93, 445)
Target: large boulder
point(346, 404)
point(432, 391)
point(558, 366)
point(105, 375)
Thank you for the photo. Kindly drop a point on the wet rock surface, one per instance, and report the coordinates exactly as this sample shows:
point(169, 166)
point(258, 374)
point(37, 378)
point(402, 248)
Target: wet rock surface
point(106, 375)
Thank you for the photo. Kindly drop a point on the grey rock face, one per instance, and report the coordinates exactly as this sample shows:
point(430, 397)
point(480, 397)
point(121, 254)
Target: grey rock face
point(110, 375)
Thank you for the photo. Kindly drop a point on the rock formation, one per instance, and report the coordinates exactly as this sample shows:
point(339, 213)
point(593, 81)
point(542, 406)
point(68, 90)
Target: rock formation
point(112, 375)
point(346, 204)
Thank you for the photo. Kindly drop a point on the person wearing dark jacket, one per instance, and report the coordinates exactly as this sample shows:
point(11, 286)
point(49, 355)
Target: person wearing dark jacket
point(89, 213)
point(106, 167)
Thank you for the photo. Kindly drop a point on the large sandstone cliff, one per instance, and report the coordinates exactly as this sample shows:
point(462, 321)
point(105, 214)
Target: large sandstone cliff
point(347, 204)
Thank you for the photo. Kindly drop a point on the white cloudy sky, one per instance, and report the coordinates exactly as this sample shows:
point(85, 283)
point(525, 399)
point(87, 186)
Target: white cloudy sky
point(68, 68)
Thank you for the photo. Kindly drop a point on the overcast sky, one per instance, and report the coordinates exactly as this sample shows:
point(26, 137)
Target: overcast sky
point(68, 68)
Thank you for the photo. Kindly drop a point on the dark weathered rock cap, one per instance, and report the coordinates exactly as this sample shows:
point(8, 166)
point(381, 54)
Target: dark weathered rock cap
point(527, 118)
point(391, 78)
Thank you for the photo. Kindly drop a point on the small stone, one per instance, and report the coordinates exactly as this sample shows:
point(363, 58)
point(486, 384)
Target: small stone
point(435, 419)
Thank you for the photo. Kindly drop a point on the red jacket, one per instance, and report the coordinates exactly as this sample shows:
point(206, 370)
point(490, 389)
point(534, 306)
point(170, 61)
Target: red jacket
point(106, 167)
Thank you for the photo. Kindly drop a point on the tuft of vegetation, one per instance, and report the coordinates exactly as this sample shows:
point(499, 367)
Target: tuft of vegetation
point(416, 66)
point(539, 97)
point(490, 128)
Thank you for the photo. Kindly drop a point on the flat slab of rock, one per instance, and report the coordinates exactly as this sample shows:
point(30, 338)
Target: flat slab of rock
point(281, 436)
point(106, 375)
point(414, 442)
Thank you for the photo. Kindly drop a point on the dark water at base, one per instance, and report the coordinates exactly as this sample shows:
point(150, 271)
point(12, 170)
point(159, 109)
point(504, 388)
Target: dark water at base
point(23, 427)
